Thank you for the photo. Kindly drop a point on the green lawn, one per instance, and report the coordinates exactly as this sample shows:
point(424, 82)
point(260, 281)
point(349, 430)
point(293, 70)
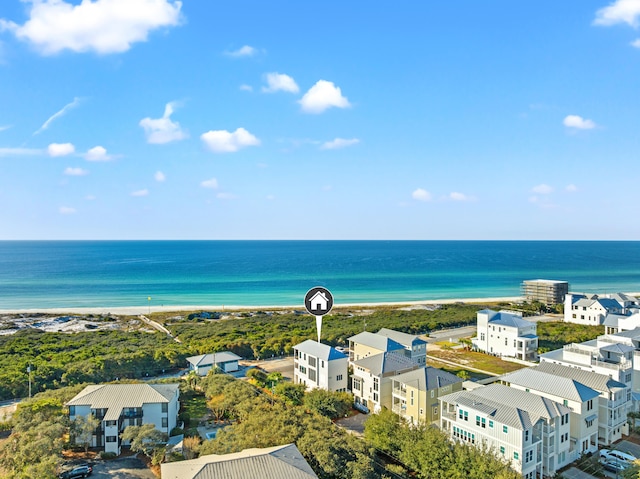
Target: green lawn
point(193, 409)
point(481, 361)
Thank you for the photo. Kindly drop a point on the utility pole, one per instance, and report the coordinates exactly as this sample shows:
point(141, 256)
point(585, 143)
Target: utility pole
point(29, 372)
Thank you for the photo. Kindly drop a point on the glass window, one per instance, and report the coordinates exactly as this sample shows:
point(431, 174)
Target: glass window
point(165, 422)
point(516, 456)
point(165, 407)
point(505, 429)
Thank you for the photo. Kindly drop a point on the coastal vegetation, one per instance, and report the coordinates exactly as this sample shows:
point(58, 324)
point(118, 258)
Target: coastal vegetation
point(555, 334)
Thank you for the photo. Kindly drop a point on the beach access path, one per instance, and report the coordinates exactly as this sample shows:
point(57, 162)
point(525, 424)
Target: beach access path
point(159, 327)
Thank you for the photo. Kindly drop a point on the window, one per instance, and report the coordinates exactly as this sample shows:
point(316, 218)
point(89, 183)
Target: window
point(165, 422)
point(72, 410)
point(526, 435)
point(589, 404)
point(111, 439)
point(432, 393)
point(528, 456)
point(165, 407)
point(565, 402)
point(589, 423)
point(312, 361)
point(303, 370)
point(477, 420)
point(501, 449)
point(466, 416)
point(375, 397)
point(505, 429)
point(339, 377)
point(516, 456)
point(491, 424)
point(505, 341)
point(111, 423)
point(322, 364)
point(481, 336)
point(312, 375)
point(376, 385)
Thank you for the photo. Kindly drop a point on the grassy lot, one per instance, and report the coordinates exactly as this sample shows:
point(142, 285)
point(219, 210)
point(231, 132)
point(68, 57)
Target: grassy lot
point(477, 360)
point(455, 370)
point(193, 410)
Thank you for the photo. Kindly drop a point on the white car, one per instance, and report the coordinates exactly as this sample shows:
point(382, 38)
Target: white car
point(614, 455)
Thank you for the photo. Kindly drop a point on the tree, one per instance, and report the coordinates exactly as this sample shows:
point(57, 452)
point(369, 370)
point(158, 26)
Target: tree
point(218, 406)
point(83, 428)
point(145, 439)
point(191, 447)
point(292, 394)
point(328, 403)
point(385, 431)
point(257, 377)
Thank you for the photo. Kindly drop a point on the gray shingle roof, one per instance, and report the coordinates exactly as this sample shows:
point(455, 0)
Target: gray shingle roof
point(376, 341)
point(218, 358)
point(566, 388)
point(596, 381)
point(279, 462)
point(319, 350)
point(115, 397)
point(499, 401)
point(386, 362)
point(427, 378)
point(403, 338)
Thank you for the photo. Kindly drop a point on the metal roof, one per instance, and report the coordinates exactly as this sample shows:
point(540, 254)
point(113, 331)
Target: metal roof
point(499, 402)
point(279, 462)
point(319, 350)
point(596, 381)
point(566, 388)
point(115, 397)
point(403, 338)
point(386, 362)
point(217, 358)
point(427, 378)
point(502, 318)
point(381, 343)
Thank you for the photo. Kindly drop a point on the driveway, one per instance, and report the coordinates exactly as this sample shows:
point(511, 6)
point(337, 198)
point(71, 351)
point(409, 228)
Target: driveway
point(353, 424)
point(575, 473)
point(122, 468)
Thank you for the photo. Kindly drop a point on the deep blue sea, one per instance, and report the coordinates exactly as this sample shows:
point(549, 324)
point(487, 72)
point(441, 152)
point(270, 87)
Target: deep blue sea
point(53, 274)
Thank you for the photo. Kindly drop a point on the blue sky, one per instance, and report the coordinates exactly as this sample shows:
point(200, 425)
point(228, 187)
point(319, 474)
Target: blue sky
point(159, 119)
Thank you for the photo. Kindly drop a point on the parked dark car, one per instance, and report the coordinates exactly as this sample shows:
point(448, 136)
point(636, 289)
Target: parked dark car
point(615, 466)
point(83, 470)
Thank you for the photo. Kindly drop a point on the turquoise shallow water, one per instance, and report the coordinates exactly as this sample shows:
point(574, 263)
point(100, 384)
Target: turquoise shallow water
point(52, 274)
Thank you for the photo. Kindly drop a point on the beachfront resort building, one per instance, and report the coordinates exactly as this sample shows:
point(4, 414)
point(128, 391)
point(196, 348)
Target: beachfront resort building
point(117, 406)
point(545, 291)
point(530, 432)
point(614, 401)
point(505, 333)
point(579, 398)
point(226, 361)
point(320, 366)
point(415, 394)
point(373, 376)
point(278, 462)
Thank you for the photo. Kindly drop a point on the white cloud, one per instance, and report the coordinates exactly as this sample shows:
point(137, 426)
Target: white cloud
point(271, 197)
point(226, 196)
point(421, 195)
point(324, 94)
point(60, 149)
point(210, 183)
point(245, 51)
point(163, 130)
point(66, 210)
point(339, 143)
point(90, 198)
point(571, 188)
point(58, 114)
point(636, 43)
point(456, 196)
point(97, 153)
point(5, 127)
point(223, 141)
point(280, 82)
point(575, 121)
point(159, 176)
point(19, 151)
point(102, 26)
point(246, 88)
point(620, 11)
point(143, 192)
point(75, 172)
point(542, 189)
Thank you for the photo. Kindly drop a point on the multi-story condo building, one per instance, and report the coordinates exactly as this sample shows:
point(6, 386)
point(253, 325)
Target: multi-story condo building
point(415, 347)
point(529, 431)
point(318, 365)
point(366, 344)
point(626, 321)
point(590, 310)
point(579, 398)
point(415, 394)
point(546, 291)
point(505, 333)
point(120, 405)
point(372, 378)
point(614, 401)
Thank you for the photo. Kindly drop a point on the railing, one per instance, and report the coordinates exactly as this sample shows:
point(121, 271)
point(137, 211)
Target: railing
point(400, 392)
point(399, 409)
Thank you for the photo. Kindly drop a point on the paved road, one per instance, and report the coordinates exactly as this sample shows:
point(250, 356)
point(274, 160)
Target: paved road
point(122, 468)
point(575, 473)
point(282, 365)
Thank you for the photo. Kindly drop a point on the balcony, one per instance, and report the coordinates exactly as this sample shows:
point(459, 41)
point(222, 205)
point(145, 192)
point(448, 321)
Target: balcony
point(131, 414)
point(399, 392)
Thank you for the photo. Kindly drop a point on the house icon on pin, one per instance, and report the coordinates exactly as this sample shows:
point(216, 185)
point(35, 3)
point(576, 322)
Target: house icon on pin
point(319, 302)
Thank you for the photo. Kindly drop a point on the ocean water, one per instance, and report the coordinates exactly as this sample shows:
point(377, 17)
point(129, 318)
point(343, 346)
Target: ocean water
point(55, 274)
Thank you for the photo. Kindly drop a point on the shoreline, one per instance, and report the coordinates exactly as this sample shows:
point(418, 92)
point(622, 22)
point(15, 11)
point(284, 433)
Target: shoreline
point(140, 310)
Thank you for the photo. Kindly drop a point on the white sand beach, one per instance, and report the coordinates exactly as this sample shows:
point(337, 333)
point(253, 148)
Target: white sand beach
point(138, 310)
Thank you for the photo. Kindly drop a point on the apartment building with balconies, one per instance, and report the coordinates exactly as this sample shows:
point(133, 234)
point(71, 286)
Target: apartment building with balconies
point(505, 333)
